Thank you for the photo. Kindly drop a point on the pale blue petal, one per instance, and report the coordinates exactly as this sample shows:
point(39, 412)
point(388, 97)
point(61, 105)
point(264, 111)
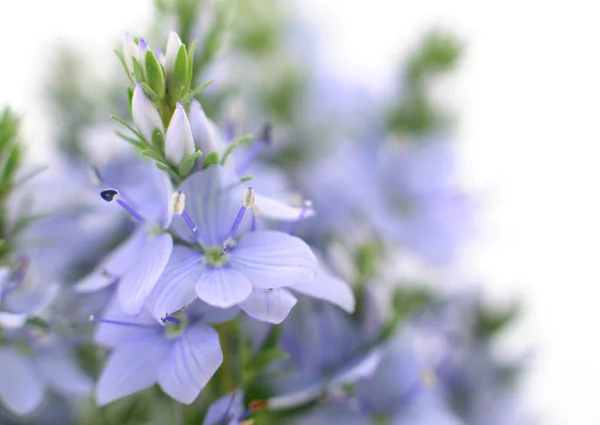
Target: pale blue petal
point(31, 302)
point(226, 410)
point(12, 320)
point(358, 368)
point(176, 286)
point(269, 305)
point(334, 414)
point(427, 410)
point(328, 287)
point(93, 282)
point(59, 368)
point(297, 396)
point(276, 210)
point(223, 287)
point(213, 199)
point(194, 359)
point(132, 367)
point(206, 313)
point(135, 286)
point(126, 254)
point(272, 259)
point(21, 388)
point(110, 335)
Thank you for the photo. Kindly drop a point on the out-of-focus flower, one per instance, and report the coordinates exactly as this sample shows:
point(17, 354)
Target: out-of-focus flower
point(229, 410)
point(145, 115)
point(181, 354)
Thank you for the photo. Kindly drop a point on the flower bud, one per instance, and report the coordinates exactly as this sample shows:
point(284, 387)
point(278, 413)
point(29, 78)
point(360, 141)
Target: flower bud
point(179, 141)
point(173, 45)
point(130, 50)
point(145, 115)
point(206, 135)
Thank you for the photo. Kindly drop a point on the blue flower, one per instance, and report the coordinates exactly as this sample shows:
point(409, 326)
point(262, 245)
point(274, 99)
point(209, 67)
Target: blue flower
point(145, 193)
point(181, 354)
point(221, 268)
point(229, 410)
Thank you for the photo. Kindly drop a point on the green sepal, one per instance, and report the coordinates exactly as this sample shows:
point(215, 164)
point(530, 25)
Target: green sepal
point(210, 159)
point(246, 178)
point(135, 142)
point(122, 60)
point(168, 169)
point(195, 92)
point(152, 95)
point(180, 75)
point(155, 156)
point(155, 75)
point(158, 140)
point(190, 55)
point(234, 145)
point(129, 127)
point(188, 163)
point(138, 72)
point(129, 100)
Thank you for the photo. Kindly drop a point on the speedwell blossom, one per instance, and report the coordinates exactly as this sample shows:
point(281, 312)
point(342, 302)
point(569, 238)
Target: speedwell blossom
point(229, 410)
point(181, 354)
point(144, 192)
point(224, 265)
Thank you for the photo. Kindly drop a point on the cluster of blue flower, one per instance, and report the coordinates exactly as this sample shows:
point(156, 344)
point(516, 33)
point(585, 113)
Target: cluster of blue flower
point(235, 295)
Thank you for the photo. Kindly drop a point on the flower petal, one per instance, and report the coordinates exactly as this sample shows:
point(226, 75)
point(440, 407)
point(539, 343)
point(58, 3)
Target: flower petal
point(132, 367)
point(59, 368)
point(93, 282)
point(145, 115)
point(12, 320)
point(21, 388)
point(213, 201)
point(328, 287)
point(223, 287)
point(206, 134)
point(194, 359)
point(137, 283)
point(228, 407)
point(277, 210)
point(273, 259)
point(176, 286)
point(269, 305)
point(111, 335)
point(32, 302)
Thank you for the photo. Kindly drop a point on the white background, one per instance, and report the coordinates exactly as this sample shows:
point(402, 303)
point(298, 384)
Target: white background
point(528, 94)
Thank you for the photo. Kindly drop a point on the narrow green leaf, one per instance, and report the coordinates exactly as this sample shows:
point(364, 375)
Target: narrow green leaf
point(151, 93)
point(155, 155)
point(246, 178)
point(180, 75)
point(138, 144)
point(190, 56)
point(122, 60)
point(234, 145)
point(195, 92)
point(188, 163)
point(169, 170)
point(155, 74)
point(210, 159)
point(129, 127)
point(138, 72)
point(158, 140)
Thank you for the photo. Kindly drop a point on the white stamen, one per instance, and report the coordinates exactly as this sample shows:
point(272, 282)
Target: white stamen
point(178, 202)
point(255, 210)
point(248, 198)
point(308, 204)
point(91, 319)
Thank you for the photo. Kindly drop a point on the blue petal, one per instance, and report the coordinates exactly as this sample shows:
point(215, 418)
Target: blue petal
point(277, 210)
point(110, 335)
point(21, 388)
point(273, 259)
point(223, 287)
point(334, 414)
point(427, 410)
point(126, 254)
point(93, 282)
point(12, 320)
point(132, 367)
point(60, 370)
point(209, 314)
point(269, 305)
point(225, 410)
point(194, 359)
point(31, 302)
point(176, 286)
point(328, 287)
point(137, 283)
point(212, 202)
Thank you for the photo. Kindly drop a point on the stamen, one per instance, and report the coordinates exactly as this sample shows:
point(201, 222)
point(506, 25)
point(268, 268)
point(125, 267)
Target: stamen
point(265, 139)
point(247, 202)
point(112, 195)
point(305, 207)
point(225, 417)
point(254, 406)
point(169, 317)
point(178, 202)
point(120, 323)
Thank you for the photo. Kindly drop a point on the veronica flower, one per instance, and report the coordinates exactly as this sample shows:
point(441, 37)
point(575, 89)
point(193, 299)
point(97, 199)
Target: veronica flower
point(181, 353)
point(223, 265)
point(32, 363)
point(144, 192)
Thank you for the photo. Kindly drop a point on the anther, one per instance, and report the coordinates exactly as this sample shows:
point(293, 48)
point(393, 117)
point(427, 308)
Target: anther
point(113, 195)
point(247, 202)
point(178, 202)
point(110, 195)
point(248, 198)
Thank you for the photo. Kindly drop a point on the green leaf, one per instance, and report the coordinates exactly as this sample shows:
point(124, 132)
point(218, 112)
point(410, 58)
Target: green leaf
point(246, 178)
point(137, 143)
point(195, 92)
point(234, 145)
point(210, 159)
point(155, 155)
point(188, 163)
point(155, 74)
point(129, 100)
point(190, 56)
point(151, 93)
point(158, 140)
point(169, 170)
point(180, 75)
point(129, 127)
point(138, 72)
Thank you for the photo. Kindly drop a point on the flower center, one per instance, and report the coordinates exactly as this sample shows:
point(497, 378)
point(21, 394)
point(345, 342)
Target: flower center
point(175, 324)
point(215, 257)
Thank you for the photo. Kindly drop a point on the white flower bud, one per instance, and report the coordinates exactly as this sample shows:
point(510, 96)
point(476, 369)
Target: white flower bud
point(173, 45)
point(143, 48)
point(145, 115)
point(206, 134)
point(179, 141)
point(248, 198)
point(130, 50)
